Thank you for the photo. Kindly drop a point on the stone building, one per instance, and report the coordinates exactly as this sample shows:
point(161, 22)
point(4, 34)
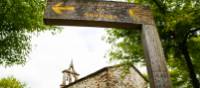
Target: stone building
point(110, 77)
point(69, 75)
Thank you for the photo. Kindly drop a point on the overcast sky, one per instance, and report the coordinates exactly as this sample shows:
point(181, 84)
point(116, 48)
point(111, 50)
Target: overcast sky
point(52, 53)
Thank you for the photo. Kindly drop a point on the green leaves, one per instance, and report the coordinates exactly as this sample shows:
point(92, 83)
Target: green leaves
point(11, 82)
point(14, 46)
point(126, 46)
point(18, 19)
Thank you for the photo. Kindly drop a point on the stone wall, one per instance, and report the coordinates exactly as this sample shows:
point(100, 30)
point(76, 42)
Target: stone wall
point(110, 78)
point(96, 81)
point(131, 80)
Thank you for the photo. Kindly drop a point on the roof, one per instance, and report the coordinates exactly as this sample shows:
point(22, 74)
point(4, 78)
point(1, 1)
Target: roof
point(102, 70)
point(90, 75)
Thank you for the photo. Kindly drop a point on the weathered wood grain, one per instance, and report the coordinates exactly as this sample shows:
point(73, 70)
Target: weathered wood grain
point(98, 13)
point(156, 64)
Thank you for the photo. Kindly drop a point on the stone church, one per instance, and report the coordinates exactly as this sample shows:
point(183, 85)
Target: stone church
point(107, 77)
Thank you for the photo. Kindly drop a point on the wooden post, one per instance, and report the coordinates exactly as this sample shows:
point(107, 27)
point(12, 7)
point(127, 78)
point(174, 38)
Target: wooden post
point(155, 59)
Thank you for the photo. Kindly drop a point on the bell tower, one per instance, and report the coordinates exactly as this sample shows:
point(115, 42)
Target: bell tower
point(69, 75)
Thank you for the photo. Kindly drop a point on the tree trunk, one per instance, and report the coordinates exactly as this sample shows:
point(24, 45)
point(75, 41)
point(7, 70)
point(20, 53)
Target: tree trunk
point(185, 52)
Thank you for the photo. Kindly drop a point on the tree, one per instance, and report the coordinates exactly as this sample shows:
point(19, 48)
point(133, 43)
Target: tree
point(19, 18)
point(11, 82)
point(175, 21)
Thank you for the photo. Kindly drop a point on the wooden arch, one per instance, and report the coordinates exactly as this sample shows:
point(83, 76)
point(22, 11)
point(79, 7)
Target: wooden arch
point(115, 15)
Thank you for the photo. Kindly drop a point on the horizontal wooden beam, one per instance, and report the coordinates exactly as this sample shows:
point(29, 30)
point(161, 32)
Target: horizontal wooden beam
point(92, 24)
point(97, 14)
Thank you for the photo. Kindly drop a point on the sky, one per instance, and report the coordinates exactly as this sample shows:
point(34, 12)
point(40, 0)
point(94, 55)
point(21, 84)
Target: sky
point(53, 53)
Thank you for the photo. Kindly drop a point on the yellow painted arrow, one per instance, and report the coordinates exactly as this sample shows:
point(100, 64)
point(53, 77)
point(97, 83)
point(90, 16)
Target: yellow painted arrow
point(131, 12)
point(58, 8)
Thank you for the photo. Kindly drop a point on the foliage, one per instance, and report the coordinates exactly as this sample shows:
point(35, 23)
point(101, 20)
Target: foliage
point(126, 44)
point(11, 82)
point(18, 18)
point(174, 18)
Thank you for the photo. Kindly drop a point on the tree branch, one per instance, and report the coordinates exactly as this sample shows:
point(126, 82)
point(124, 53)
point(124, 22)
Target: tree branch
point(185, 52)
point(190, 32)
point(161, 6)
point(139, 73)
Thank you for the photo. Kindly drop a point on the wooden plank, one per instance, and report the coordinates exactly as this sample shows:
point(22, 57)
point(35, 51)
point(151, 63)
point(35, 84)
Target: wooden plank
point(156, 64)
point(97, 14)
